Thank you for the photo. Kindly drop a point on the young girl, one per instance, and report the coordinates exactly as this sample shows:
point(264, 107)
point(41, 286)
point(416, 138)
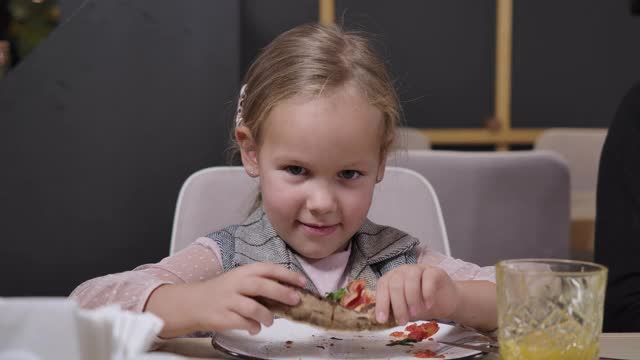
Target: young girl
point(316, 117)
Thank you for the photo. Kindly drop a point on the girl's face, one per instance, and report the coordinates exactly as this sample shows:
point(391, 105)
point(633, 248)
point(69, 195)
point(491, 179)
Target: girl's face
point(318, 162)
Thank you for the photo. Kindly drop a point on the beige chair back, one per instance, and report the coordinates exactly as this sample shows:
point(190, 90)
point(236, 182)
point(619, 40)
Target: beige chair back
point(216, 197)
point(581, 149)
point(498, 205)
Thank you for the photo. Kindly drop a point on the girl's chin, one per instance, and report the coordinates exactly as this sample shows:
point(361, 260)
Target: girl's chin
point(317, 254)
point(314, 255)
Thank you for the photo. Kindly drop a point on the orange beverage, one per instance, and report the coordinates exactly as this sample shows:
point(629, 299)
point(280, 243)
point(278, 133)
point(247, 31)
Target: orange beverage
point(545, 346)
point(550, 309)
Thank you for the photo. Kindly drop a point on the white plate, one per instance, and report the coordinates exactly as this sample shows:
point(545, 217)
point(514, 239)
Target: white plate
point(308, 342)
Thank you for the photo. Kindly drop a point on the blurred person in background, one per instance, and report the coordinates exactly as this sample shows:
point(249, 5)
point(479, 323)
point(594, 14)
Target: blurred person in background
point(617, 241)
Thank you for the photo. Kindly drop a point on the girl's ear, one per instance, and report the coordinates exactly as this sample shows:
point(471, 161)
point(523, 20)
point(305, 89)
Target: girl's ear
point(388, 143)
point(381, 168)
point(248, 150)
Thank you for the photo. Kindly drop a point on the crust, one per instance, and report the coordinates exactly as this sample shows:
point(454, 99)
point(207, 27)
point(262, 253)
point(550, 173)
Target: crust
point(315, 310)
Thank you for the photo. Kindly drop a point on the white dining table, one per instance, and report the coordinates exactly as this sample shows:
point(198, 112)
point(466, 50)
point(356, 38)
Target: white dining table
point(612, 345)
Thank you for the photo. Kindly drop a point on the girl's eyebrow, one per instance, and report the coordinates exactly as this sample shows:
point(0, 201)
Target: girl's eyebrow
point(289, 159)
point(283, 159)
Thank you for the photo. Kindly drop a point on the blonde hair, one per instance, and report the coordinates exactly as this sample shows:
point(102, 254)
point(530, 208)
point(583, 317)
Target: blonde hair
point(311, 59)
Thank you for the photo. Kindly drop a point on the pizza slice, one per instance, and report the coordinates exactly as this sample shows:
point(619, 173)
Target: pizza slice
point(348, 309)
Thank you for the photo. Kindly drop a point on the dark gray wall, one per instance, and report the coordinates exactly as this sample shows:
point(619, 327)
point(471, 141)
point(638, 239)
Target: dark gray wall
point(261, 21)
point(441, 52)
point(99, 127)
point(573, 60)
point(68, 7)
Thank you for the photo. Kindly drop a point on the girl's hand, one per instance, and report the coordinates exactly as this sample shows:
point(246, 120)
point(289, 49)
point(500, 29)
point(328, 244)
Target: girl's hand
point(227, 301)
point(416, 292)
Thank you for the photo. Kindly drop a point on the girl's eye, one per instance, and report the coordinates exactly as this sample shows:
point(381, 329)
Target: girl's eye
point(350, 174)
point(295, 170)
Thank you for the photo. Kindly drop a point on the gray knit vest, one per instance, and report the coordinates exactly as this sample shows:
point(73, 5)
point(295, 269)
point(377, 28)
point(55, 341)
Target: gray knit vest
point(375, 249)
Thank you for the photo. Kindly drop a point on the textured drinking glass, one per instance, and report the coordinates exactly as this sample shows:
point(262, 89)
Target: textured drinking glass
point(550, 309)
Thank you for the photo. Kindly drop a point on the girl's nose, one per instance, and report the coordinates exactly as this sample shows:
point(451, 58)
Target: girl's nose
point(321, 199)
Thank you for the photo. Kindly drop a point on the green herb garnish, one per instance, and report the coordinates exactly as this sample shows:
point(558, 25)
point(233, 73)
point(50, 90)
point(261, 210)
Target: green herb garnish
point(404, 342)
point(337, 295)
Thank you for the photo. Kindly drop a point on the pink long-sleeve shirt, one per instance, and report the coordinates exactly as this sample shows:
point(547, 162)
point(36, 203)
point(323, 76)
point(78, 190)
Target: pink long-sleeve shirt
point(201, 261)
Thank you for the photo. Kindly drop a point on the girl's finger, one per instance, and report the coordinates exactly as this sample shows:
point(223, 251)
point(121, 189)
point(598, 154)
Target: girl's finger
point(236, 321)
point(257, 286)
point(252, 310)
point(382, 301)
point(413, 293)
point(428, 290)
point(398, 302)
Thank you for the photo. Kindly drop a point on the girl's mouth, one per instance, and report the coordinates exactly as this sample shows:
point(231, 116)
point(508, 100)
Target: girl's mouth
point(318, 230)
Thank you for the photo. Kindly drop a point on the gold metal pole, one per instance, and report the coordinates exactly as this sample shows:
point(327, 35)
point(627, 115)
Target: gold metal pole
point(482, 136)
point(327, 11)
point(504, 32)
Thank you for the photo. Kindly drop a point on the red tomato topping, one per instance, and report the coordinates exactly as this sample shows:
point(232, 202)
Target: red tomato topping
point(356, 286)
point(357, 296)
point(427, 354)
point(357, 301)
point(397, 334)
point(417, 335)
point(428, 328)
point(348, 299)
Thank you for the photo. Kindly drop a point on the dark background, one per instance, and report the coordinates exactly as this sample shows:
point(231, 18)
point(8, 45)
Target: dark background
point(101, 124)
point(441, 53)
point(573, 61)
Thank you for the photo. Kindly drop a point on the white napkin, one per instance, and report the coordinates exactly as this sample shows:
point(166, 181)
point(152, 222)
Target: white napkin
point(55, 328)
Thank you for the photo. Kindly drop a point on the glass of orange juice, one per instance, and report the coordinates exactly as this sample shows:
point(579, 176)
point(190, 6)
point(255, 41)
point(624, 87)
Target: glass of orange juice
point(550, 309)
